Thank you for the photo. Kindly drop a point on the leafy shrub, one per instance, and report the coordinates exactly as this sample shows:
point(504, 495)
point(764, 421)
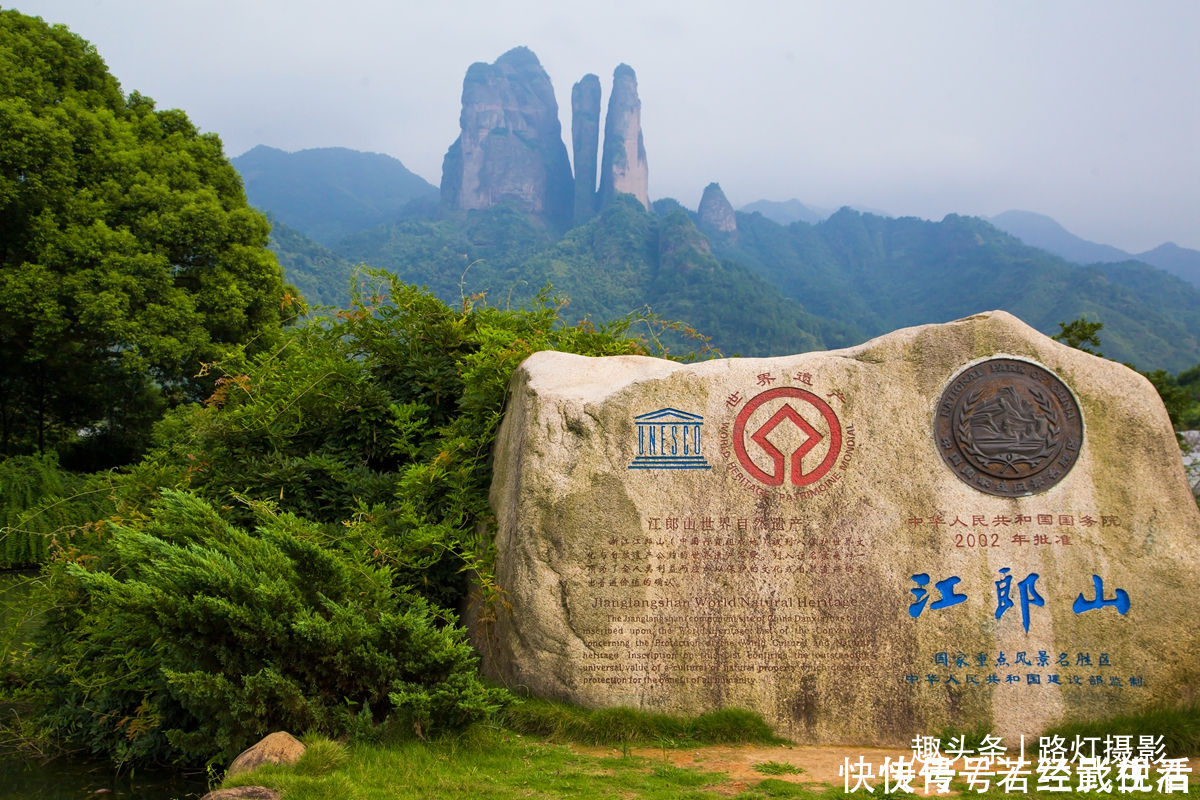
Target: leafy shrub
point(283, 555)
point(384, 414)
point(185, 636)
point(39, 501)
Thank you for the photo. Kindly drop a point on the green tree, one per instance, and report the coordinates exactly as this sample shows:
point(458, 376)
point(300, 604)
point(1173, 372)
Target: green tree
point(1080, 334)
point(1179, 402)
point(189, 638)
point(128, 253)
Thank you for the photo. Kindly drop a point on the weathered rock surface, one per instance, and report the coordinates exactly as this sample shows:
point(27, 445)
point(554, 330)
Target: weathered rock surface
point(623, 167)
point(585, 136)
point(510, 148)
point(784, 534)
point(277, 748)
point(716, 214)
point(243, 793)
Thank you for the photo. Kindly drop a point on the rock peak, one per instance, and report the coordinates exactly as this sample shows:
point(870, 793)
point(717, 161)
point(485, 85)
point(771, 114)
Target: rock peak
point(715, 212)
point(510, 147)
point(585, 136)
point(623, 168)
point(519, 57)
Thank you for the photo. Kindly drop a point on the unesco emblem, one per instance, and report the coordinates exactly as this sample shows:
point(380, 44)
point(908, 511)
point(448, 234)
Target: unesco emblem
point(669, 439)
point(1008, 428)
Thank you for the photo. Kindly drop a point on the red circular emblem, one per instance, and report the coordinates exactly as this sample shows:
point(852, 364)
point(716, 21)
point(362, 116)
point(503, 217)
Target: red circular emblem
point(813, 437)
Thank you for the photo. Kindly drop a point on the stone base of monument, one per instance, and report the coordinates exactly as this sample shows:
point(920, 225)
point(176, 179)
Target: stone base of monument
point(964, 526)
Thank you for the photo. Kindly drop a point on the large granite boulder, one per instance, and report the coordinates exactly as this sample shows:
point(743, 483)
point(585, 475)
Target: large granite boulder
point(952, 526)
point(623, 167)
point(510, 148)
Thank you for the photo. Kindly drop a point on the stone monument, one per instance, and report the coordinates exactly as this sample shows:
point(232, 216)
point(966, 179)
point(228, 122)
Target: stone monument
point(965, 525)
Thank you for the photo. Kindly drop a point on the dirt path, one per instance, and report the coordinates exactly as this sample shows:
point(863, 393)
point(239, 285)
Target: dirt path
point(819, 764)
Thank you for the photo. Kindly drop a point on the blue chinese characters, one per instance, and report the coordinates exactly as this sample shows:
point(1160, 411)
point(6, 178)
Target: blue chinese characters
point(1120, 601)
point(1027, 595)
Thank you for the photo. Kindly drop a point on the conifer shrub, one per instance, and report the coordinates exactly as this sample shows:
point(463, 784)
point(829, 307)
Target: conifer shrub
point(184, 637)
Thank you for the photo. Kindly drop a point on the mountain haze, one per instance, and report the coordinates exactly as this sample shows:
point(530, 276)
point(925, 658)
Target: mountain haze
point(329, 192)
point(1044, 232)
point(785, 213)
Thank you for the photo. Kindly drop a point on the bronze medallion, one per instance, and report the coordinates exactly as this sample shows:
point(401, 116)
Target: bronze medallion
point(1008, 428)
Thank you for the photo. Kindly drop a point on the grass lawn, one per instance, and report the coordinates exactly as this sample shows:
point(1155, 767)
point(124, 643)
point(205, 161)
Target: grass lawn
point(488, 763)
point(492, 763)
point(549, 750)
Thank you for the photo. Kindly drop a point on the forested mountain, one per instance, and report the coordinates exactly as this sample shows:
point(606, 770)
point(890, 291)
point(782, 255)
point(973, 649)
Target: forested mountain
point(1038, 230)
point(878, 274)
point(329, 192)
point(322, 276)
point(619, 262)
point(771, 289)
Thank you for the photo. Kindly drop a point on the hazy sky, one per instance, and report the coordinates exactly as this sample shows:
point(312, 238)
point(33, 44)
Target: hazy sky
point(1086, 111)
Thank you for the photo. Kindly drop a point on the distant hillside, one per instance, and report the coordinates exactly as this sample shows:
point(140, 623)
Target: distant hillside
point(785, 213)
point(323, 277)
point(793, 210)
point(1183, 262)
point(773, 289)
point(621, 261)
point(1041, 231)
point(879, 274)
point(329, 192)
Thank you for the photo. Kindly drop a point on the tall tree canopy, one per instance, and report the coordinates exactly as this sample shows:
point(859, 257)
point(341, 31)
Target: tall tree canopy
point(128, 253)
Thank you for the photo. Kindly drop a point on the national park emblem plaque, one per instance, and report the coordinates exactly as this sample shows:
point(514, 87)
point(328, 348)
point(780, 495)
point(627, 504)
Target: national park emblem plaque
point(1008, 428)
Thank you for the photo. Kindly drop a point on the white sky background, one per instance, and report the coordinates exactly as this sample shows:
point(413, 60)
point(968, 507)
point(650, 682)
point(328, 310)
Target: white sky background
point(1086, 111)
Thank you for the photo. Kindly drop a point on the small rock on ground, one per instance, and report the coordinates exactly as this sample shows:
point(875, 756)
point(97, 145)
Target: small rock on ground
point(243, 793)
point(278, 748)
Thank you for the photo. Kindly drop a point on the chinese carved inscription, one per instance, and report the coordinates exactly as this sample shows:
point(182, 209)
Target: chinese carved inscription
point(1008, 428)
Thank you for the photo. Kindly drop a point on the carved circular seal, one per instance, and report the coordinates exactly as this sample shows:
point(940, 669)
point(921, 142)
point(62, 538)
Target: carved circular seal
point(1008, 428)
point(786, 413)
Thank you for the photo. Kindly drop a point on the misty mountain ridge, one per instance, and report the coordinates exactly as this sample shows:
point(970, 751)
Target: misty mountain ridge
point(838, 282)
point(329, 193)
point(789, 211)
point(1039, 230)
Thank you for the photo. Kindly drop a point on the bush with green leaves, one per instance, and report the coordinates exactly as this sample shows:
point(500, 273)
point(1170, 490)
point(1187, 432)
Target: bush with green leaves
point(40, 501)
point(383, 415)
point(184, 637)
point(285, 555)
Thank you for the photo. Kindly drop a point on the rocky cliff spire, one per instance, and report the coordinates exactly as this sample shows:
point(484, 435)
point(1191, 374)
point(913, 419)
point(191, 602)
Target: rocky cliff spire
point(623, 168)
point(510, 148)
point(585, 135)
point(716, 214)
